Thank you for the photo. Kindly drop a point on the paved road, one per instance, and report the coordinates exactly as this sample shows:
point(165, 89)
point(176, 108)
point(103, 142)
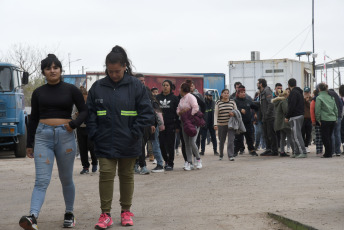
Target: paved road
point(222, 195)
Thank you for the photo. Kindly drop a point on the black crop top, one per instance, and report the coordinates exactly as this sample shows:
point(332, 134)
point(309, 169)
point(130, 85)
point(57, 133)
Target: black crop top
point(55, 101)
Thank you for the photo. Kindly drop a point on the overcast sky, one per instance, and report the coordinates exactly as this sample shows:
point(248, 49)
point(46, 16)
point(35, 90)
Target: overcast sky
point(173, 36)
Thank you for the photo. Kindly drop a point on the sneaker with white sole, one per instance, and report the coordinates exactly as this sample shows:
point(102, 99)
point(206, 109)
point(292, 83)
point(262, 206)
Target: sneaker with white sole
point(307, 150)
point(187, 166)
point(144, 171)
point(69, 220)
point(104, 222)
point(154, 162)
point(231, 159)
point(158, 168)
point(199, 164)
point(28, 222)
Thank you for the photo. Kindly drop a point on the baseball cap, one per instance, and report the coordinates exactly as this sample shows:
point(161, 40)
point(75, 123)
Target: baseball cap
point(307, 89)
point(209, 93)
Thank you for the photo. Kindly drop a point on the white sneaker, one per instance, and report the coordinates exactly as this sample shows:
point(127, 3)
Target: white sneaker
point(154, 162)
point(187, 166)
point(192, 167)
point(177, 152)
point(307, 150)
point(231, 159)
point(199, 164)
point(288, 149)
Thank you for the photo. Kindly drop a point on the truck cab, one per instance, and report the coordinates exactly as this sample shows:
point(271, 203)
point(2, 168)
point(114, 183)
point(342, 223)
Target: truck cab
point(13, 117)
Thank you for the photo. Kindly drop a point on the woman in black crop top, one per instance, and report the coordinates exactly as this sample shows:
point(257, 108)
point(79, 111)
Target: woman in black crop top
point(50, 132)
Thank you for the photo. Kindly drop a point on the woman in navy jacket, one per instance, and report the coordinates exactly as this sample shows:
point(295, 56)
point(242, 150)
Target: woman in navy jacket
point(119, 109)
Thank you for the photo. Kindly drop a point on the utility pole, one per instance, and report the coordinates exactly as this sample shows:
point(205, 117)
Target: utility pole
point(313, 39)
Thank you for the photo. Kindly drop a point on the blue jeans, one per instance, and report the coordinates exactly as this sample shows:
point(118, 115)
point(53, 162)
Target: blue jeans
point(259, 135)
point(50, 142)
point(156, 148)
point(336, 137)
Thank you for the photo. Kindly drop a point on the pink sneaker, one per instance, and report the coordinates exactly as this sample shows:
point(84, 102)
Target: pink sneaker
point(104, 221)
point(126, 218)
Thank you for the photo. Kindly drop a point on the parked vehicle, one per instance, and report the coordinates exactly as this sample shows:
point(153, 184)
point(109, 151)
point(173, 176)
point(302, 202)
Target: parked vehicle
point(216, 95)
point(156, 80)
point(273, 70)
point(13, 117)
point(212, 80)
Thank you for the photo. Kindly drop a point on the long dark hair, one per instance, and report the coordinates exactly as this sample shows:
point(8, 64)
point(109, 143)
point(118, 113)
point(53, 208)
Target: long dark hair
point(118, 55)
point(49, 61)
point(222, 92)
point(185, 87)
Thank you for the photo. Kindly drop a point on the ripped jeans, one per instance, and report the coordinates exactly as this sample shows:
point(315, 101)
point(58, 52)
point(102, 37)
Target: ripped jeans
point(51, 142)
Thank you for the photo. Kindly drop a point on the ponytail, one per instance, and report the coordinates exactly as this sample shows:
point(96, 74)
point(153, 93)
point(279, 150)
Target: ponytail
point(118, 55)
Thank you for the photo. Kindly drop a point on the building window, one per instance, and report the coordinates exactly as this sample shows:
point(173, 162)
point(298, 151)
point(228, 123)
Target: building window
point(274, 71)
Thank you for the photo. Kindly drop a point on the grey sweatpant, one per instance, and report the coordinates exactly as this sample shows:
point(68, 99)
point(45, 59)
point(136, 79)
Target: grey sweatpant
point(223, 132)
point(296, 135)
point(190, 145)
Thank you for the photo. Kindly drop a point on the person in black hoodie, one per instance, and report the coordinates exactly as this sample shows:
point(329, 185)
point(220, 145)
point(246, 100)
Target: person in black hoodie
point(295, 118)
point(168, 104)
point(245, 105)
point(209, 120)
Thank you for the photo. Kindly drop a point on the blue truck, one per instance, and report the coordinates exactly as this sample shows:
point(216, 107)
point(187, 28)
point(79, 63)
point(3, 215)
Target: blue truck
point(13, 118)
point(214, 82)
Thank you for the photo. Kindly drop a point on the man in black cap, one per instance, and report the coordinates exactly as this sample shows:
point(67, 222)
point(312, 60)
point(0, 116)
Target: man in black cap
point(209, 120)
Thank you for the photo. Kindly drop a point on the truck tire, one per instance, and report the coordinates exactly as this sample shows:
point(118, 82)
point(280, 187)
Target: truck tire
point(20, 148)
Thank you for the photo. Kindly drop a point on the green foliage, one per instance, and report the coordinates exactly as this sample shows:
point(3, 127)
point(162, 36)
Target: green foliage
point(29, 88)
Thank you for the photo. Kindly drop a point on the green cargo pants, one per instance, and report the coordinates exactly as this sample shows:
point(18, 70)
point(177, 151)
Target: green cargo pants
point(107, 169)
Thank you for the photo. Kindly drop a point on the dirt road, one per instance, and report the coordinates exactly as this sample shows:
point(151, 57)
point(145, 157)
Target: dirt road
point(222, 195)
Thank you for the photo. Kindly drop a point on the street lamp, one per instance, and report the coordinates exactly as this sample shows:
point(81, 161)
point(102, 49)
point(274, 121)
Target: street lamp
point(69, 61)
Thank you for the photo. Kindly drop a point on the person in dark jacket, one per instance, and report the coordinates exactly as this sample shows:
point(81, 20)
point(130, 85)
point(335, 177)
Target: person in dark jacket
point(119, 109)
point(295, 116)
point(148, 133)
point(267, 115)
point(168, 104)
point(245, 105)
point(336, 135)
point(307, 122)
point(209, 120)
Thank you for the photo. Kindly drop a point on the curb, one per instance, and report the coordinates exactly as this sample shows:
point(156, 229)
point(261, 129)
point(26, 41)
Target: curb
point(293, 224)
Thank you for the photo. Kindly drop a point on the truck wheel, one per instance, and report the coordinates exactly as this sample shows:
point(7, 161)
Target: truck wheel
point(20, 148)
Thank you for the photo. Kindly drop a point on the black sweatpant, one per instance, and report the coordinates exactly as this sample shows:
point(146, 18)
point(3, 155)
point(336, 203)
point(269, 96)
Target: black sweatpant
point(270, 135)
point(326, 133)
point(85, 145)
point(204, 131)
point(239, 138)
point(306, 131)
point(167, 142)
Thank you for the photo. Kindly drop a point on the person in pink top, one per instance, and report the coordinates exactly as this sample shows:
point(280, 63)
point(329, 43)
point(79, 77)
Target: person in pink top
point(187, 102)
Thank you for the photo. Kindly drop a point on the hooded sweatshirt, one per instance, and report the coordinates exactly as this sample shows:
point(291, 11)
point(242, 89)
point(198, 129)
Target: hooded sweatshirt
point(295, 103)
point(168, 104)
point(281, 109)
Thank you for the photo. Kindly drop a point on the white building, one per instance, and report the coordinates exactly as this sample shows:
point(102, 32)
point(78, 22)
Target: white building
point(273, 70)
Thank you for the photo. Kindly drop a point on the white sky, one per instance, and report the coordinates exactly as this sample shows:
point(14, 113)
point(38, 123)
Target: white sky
point(172, 36)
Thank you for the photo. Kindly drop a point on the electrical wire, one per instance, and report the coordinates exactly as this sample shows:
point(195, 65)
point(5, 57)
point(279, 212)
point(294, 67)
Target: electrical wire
point(291, 41)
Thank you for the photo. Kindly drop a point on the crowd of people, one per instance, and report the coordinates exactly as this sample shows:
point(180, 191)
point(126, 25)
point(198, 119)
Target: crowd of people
point(121, 122)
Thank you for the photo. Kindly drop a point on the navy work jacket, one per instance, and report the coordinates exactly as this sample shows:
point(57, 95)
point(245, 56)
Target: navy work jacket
point(118, 113)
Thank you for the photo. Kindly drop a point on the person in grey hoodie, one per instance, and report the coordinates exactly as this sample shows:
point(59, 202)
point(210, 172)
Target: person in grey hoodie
point(267, 112)
point(294, 116)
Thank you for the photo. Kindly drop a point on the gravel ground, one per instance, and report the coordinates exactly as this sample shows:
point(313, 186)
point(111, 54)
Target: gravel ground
point(222, 195)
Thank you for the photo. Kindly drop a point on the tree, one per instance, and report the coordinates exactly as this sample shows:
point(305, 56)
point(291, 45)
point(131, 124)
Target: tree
point(28, 58)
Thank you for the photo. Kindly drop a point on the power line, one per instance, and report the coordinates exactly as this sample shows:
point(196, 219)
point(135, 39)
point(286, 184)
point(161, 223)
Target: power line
point(291, 41)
